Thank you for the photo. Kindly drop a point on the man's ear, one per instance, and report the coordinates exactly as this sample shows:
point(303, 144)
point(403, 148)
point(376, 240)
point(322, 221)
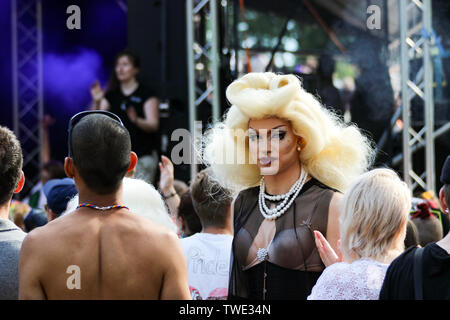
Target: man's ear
point(444, 205)
point(133, 161)
point(69, 168)
point(21, 183)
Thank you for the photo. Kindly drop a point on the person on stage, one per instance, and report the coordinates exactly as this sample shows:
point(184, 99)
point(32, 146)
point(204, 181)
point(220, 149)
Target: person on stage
point(291, 159)
point(138, 108)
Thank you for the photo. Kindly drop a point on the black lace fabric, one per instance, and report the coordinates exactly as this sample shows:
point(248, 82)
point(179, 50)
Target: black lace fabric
point(288, 264)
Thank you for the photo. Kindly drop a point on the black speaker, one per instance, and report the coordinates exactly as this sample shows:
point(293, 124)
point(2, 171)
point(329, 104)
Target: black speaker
point(157, 33)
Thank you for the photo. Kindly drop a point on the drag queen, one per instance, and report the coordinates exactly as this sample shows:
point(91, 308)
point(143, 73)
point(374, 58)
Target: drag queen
point(290, 159)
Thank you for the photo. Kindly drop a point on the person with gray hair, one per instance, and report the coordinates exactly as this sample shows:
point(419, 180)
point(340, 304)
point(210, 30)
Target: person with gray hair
point(423, 273)
point(208, 252)
point(372, 231)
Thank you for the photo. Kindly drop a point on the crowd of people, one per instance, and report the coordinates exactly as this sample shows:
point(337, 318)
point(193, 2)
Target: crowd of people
point(303, 216)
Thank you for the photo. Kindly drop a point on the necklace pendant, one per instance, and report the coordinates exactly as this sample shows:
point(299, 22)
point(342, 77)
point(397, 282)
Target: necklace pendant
point(262, 254)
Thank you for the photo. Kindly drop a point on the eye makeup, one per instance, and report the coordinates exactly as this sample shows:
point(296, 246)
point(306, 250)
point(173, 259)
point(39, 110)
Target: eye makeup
point(280, 134)
point(275, 133)
point(253, 135)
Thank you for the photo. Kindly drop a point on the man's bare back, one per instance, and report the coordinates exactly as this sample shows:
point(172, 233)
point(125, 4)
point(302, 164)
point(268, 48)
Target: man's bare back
point(116, 254)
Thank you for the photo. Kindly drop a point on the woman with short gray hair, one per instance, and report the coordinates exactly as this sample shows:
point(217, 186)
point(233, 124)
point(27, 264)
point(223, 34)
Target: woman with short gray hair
point(374, 213)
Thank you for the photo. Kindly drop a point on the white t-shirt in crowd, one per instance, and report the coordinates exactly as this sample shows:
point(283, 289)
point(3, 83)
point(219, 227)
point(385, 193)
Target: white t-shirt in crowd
point(208, 261)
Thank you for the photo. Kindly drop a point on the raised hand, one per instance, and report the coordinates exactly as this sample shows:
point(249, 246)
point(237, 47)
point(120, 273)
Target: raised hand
point(47, 121)
point(96, 92)
point(327, 254)
point(167, 175)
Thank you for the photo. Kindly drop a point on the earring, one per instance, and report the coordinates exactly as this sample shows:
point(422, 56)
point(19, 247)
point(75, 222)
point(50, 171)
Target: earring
point(299, 148)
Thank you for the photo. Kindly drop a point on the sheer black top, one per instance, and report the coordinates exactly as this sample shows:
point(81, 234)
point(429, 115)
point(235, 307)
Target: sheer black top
point(292, 264)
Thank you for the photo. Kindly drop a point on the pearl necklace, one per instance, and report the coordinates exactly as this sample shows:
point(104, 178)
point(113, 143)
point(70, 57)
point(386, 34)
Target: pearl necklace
point(288, 198)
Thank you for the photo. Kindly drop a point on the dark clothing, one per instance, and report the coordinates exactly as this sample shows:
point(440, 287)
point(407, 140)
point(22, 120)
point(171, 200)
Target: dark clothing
point(399, 281)
point(142, 142)
point(331, 99)
point(293, 264)
point(371, 108)
point(444, 218)
point(445, 223)
point(281, 283)
point(412, 235)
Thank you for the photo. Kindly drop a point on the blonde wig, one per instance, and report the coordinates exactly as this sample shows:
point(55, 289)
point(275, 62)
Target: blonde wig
point(332, 152)
point(374, 214)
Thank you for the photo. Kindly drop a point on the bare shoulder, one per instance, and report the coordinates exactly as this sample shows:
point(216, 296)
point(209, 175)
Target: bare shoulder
point(37, 236)
point(160, 235)
point(41, 238)
point(33, 245)
point(335, 203)
point(31, 240)
point(336, 199)
point(146, 225)
point(161, 244)
point(334, 210)
point(153, 234)
point(333, 220)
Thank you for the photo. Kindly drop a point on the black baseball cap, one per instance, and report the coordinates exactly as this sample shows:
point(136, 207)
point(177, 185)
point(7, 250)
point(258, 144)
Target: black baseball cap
point(58, 193)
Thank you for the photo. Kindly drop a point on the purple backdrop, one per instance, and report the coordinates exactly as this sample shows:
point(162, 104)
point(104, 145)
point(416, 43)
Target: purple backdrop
point(72, 59)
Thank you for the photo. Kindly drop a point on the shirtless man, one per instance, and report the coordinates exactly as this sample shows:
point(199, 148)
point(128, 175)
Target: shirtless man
point(95, 254)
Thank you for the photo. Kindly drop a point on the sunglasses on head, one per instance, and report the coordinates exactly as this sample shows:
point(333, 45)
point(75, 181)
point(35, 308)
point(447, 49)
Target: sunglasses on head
point(76, 118)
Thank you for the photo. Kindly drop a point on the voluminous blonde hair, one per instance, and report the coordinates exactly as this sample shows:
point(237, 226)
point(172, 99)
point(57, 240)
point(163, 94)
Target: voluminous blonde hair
point(374, 213)
point(333, 152)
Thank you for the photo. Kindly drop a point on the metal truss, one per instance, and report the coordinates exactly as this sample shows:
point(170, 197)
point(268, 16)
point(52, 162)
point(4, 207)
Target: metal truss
point(203, 62)
point(416, 44)
point(26, 23)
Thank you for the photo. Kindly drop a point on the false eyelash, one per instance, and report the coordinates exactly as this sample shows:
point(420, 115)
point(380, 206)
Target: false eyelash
point(281, 135)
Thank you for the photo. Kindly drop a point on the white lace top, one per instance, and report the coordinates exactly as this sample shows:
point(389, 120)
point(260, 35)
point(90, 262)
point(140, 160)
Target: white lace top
point(360, 280)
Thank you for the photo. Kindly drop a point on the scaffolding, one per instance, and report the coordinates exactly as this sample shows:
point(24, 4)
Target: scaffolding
point(202, 63)
point(27, 83)
point(416, 42)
